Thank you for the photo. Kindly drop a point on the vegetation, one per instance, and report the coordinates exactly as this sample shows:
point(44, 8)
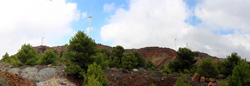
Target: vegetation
point(153, 74)
point(28, 55)
point(49, 57)
point(102, 60)
point(229, 64)
point(116, 56)
point(94, 76)
point(150, 66)
point(129, 61)
point(222, 83)
point(80, 53)
point(140, 59)
point(208, 68)
point(12, 60)
point(185, 60)
point(165, 69)
point(182, 81)
point(240, 75)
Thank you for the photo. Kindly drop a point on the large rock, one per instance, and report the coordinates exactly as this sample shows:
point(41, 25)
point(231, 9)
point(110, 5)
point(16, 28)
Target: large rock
point(14, 70)
point(196, 77)
point(202, 79)
point(45, 74)
point(212, 84)
point(29, 73)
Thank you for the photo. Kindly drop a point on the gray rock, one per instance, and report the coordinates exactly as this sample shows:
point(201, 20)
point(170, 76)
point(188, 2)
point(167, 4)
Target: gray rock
point(14, 70)
point(29, 73)
point(45, 74)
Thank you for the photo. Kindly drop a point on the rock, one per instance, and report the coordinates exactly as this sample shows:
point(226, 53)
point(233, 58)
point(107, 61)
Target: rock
point(202, 79)
point(114, 69)
point(196, 77)
point(135, 70)
point(49, 65)
point(14, 70)
point(207, 79)
point(125, 71)
point(211, 84)
point(45, 74)
point(29, 73)
point(211, 80)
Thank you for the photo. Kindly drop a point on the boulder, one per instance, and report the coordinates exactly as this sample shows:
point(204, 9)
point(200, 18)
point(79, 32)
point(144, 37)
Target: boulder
point(207, 80)
point(202, 79)
point(211, 80)
point(135, 70)
point(196, 77)
point(211, 84)
point(14, 70)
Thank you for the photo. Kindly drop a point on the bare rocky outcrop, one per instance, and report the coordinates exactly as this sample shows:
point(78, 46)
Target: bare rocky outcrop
point(196, 77)
point(11, 79)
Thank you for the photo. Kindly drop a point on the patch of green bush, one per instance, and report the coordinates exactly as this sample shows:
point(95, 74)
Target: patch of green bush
point(182, 81)
point(150, 65)
point(208, 68)
point(27, 55)
point(49, 57)
point(153, 74)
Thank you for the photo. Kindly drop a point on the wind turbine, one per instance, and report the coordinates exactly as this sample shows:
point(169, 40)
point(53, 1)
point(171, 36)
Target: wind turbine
point(42, 40)
point(90, 17)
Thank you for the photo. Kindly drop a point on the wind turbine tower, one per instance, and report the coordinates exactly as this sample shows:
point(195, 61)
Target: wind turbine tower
point(90, 17)
point(42, 40)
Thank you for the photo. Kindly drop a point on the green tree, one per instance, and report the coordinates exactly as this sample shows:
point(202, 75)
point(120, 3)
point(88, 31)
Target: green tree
point(229, 64)
point(165, 69)
point(182, 81)
point(208, 68)
point(222, 83)
point(105, 51)
point(150, 65)
point(5, 57)
point(80, 51)
point(240, 75)
point(49, 57)
point(94, 76)
point(102, 60)
point(141, 60)
point(116, 56)
point(28, 55)
point(129, 61)
point(185, 60)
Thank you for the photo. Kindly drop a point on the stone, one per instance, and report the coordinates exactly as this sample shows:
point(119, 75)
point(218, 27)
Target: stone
point(202, 79)
point(135, 70)
point(207, 80)
point(14, 70)
point(196, 77)
point(211, 84)
point(211, 80)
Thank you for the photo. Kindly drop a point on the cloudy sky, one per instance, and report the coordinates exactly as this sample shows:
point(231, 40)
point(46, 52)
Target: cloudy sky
point(217, 27)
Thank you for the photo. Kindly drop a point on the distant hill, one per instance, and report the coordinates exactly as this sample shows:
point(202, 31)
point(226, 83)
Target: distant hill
point(158, 55)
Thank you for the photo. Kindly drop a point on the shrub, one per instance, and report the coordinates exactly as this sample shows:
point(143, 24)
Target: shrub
point(49, 57)
point(228, 65)
point(94, 76)
point(80, 52)
point(185, 60)
point(116, 56)
point(28, 55)
point(102, 60)
point(140, 59)
point(150, 66)
point(208, 68)
point(153, 74)
point(222, 83)
point(165, 69)
point(240, 75)
point(182, 81)
point(152, 84)
point(129, 61)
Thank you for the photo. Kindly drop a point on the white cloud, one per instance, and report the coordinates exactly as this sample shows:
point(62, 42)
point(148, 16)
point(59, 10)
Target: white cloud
point(84, 15)
point(109, 7)
point(27, 21)
point(158, 23)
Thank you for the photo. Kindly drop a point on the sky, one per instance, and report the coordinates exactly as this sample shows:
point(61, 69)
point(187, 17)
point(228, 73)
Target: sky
point(216, 27)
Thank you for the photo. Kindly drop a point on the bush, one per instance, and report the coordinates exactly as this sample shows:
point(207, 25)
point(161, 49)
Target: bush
point(153, 74)
point(28, 55)
point(185, 60)
point(102, 60)
point(228, 65)
point(165, 69)
point(80, 52)
point(141, 60)
point(240, 75)
point(49, 57)
point(222, 83)
point(150, 66)
point(94, 76)
point(129, 61)
point(116, 56)
point(152, 84)
point(182, 81)
point(208, 68)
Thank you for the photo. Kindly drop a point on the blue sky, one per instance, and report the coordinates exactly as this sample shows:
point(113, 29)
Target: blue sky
point(217, 27)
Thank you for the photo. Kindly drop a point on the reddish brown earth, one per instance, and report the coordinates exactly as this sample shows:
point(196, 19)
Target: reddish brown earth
point(10, 79)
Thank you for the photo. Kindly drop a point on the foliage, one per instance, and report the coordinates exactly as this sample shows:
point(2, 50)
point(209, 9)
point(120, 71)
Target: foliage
point(129, 61)
point(153, 74)
point(185, 60)
point(28, 55)
point(105, 52)
point(94, 76)
point(61, 53)
point(73, 69)
point(152, 84)
point(102, 60)
point(182, 81)
point(240, 75)
point(208, 68)
point(222, 83)
point(140, 59)
point(116, 56)
point(80, 52)
point(165, 69)
point(49, 57)
point(229, 64)
point(150, 66)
